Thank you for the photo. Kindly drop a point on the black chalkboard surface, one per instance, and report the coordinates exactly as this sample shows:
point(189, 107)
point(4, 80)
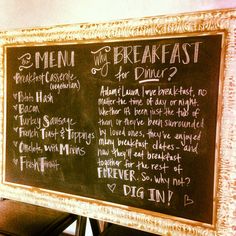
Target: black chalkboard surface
point(129, 122)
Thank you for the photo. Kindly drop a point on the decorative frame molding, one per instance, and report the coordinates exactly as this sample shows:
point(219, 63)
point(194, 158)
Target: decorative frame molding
point(162, 26)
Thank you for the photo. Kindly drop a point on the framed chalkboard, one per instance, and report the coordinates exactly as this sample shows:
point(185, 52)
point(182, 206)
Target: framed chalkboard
point(130, 122)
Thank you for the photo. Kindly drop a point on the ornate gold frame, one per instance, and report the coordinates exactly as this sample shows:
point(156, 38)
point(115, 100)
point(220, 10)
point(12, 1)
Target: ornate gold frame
point(222, 21)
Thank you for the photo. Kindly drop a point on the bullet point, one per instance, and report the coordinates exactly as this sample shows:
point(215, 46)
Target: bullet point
point(16, 129)
point(15, 95)
point(15, 107)
point(15, 143)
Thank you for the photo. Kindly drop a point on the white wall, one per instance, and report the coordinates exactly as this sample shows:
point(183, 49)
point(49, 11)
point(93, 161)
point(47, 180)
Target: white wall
point(38, 13)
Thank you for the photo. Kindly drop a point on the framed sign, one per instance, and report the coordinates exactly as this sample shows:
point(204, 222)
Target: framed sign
point(131, 122)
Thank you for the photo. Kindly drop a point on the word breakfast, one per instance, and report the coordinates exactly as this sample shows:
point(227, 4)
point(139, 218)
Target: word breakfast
point(184, 53)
